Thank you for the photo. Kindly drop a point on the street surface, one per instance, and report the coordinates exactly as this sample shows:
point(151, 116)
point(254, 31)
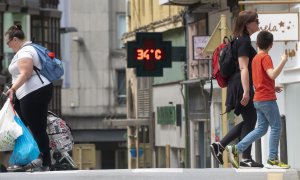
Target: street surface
point(159, 174)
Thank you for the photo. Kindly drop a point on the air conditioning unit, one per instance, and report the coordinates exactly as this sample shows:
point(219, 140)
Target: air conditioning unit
point(181, 2)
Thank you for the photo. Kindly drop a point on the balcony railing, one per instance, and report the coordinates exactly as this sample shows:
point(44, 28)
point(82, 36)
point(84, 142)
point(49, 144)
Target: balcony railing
point(52, 4)
point(31, 3)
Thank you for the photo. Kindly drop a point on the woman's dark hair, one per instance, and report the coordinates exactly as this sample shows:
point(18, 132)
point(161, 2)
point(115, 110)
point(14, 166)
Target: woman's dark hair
point(15, 31)
point(244, 17)
point(264, 40)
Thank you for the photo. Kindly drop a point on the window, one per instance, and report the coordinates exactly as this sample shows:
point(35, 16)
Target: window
point(49, 3)
point(121, 28)
point(121, 87)
point(45, 31)
point(36, 30)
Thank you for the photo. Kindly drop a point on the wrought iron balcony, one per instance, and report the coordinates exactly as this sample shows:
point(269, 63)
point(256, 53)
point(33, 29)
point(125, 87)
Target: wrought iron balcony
point(52, 4)
point(31, 3)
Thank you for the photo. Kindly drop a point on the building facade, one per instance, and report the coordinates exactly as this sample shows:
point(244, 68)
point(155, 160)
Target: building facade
point(94, 90)
point(165, 145)
point(184, 86)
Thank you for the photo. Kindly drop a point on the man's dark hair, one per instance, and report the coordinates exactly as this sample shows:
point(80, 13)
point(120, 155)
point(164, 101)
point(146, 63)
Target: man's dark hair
point(264, 39)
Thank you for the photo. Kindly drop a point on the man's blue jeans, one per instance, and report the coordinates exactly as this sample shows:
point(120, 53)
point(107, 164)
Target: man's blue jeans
point(267, 114)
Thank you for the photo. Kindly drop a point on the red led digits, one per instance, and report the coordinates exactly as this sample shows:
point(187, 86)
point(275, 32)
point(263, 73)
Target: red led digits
point(147, 54)
point(142, 54)
point(157, 53)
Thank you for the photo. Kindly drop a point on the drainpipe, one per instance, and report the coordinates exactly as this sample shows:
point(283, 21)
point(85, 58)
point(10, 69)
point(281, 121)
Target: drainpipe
point(186, 99)
point(110, 68)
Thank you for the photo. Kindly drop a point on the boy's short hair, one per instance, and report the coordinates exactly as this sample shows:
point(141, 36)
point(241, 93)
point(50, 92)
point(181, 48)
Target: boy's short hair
point(264, 39)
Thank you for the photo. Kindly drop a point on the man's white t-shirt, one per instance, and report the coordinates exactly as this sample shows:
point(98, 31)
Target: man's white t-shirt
point(34, 82)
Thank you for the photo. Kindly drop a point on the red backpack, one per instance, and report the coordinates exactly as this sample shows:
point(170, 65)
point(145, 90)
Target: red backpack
point(216, 74)
point(223, 63)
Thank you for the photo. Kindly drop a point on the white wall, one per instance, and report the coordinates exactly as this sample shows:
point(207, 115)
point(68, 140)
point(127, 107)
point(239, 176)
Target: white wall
point(168, 134)
point(293, 123)
point(92, 76)
point(289, 99)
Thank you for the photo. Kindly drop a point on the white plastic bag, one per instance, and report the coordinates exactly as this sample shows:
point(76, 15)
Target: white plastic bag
point(9, 129)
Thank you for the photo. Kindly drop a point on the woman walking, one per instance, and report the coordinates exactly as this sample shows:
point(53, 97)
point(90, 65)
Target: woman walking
point(240, 88)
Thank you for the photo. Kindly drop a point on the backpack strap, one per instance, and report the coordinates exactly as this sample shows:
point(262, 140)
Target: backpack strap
point(226, 39)
point(211, 91)
point(37, 72)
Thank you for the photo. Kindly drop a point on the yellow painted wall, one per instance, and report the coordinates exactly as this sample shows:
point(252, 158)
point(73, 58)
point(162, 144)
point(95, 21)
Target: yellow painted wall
point(144, 12)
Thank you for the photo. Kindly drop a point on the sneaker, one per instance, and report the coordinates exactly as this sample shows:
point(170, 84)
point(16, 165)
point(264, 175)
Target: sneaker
point(217, 152)
point(276, 164)
point(250, 163)
point(233, 156)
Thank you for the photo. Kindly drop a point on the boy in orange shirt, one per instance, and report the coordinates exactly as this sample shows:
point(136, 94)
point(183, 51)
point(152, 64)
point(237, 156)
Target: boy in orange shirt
point(264, 75)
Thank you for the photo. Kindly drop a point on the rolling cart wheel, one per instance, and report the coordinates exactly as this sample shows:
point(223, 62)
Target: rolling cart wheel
point(65, 166)
point(56, 155)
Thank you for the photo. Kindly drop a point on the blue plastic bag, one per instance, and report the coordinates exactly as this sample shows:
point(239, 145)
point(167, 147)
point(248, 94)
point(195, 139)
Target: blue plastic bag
point(26, 148)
